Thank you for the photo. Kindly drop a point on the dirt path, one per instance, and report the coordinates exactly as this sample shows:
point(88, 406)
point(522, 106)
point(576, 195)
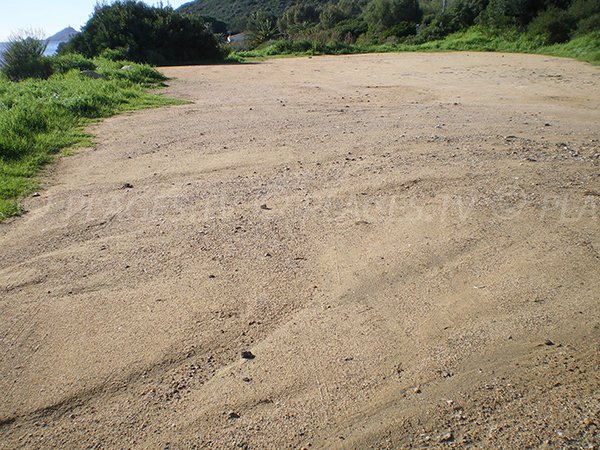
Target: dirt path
point(409, 245)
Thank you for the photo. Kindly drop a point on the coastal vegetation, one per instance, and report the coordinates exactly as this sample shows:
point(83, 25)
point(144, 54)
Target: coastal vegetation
point(42, 116)
point(155, 35)
point(555, 27)
point(585, 48)
point(46, 102)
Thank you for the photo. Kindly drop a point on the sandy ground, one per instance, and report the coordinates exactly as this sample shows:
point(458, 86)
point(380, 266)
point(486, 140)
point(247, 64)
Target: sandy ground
point(408, 245)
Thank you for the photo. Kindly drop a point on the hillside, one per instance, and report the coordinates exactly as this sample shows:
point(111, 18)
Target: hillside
point(64, 35)
point(235, 12)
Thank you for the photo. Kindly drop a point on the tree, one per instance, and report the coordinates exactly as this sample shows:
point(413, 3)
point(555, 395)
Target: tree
point(334, 13)
point(261, 27)
point(516, 13)
point(554, 25)
point(298, 17)
point(383, 14)
point(142, 33)
point(464, 12)
point(587, 15)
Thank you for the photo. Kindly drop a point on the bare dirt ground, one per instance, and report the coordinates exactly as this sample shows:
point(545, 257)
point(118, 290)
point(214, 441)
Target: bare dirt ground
point(408, 244)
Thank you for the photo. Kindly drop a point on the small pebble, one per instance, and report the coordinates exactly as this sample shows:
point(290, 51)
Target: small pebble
point(448, 437)
point(246, 354)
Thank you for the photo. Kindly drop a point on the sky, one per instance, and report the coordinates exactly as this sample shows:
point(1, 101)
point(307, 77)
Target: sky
point(50, 16)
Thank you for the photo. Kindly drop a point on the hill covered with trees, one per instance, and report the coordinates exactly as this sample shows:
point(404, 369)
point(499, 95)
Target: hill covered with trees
point(236, 12)
point(298, 25)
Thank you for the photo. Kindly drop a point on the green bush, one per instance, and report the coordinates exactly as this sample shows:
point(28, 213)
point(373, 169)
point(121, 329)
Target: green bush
point(502, 14)
point(297, 17)
point(287, 47)
point(141, 74)
point(553, 25)
point(464, 13)
point(441, 26)
point(588, 25)
point(383, 14)
point(587, 15)
point(23, 58)
point(143, 33)
point(581, 9)
point(70, 61)
point(337, 48)
point(585, 48)
point(334, 13)
point(402, 29)
point(114, 54)
point(352, 28)
point(261, 27)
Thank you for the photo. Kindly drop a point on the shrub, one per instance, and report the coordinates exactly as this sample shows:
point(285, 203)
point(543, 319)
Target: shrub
point(287, 47)
point(141, 74)
point(581, 9)
point(24, 58)
point(502, 13)
point(464, 12)
point(352, 28)
point(587, 15)
point(343, 10)
point(402, 29)
point(588, 25)
point(383, 14)
point(70, 61)
point(442, 25)
point(143, 33)
point(297, 17)
point(114, 54)
point(261, 27)
point(553, 25)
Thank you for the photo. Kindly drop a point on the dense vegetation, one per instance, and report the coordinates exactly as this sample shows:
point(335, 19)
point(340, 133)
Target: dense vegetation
point(236, 12)
point(345, 26)
point(156, 35)
point(39, 117)
point(22, 58)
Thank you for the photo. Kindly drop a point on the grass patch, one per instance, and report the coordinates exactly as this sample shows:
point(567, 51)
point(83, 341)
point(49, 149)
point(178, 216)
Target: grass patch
point(42, 118)
point(584, 48)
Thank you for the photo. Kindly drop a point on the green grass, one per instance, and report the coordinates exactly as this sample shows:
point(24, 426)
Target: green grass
point(39, 119)
point(584, 48)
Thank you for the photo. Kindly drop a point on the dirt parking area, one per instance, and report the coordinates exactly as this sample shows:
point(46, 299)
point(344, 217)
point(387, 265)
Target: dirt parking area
point(406, 246)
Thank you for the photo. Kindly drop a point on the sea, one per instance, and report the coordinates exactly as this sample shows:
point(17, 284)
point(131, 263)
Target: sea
point(50, 50)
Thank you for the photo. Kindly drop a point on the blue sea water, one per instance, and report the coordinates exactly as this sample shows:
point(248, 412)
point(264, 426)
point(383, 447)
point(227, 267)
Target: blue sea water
point(50, 50)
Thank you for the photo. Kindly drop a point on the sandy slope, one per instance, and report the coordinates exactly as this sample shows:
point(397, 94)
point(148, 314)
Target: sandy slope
point(432, 225)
